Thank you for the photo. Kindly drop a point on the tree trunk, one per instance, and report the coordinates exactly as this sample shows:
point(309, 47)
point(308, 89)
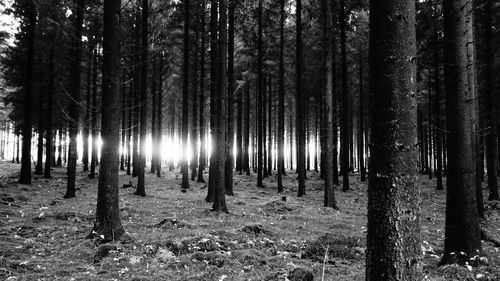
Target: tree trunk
point(49, 136)
point(88, 108)
point(107, 224)
point(93, 160)
point(39, 158)
point(25, 176)
point(129, 127)
point(491, 110)
point(462, 232)
point(140, 190)
point(246, 159)
point(219, 204)
point(345, 140)
point(260, 94)
point(74, 112)
point(159, 116)
point(281, 100)
point(300, 102)
point(213, 94)
point(437, 110)
point(269, 129)
point(393, 243)
point(230, 102)
point(194, 96)
point(361, 129)
point(185, 99)
point(202, 156)
point(328, 50)
point(154, 132)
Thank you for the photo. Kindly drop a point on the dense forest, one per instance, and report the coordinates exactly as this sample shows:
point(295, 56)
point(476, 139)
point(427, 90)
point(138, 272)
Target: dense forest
point(329, 140)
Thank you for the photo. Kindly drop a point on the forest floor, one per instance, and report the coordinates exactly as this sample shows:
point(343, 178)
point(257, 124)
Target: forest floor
point(174, 236)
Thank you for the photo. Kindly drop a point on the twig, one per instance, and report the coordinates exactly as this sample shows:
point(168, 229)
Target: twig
point(10, 204)
point(324, 263)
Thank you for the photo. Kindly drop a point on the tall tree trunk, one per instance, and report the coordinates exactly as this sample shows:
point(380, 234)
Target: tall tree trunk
point(194, 98)
point(260, 94)
point(328, 50)
point(154, 132)
point(491, 110)
point(159, 116)
point(429, 132)
point(361, 129)
point(39, 158)
point(185, 98)
point(345, 140)
point(129, 126)
point(25, 176)
point(59, 147)
point(213, 94)
point(300, 102)
point(140, 190)
point(202, 156)
point(49, 136)
point(462, 233)
point(107, 224)
point(393, 243)
point(74, 112)
point(93, 160)
point(230, 102)
point(437, 109)
point(246, 159)
point(281, 100)
point(219, 204)
point(88, 108)
point(269, 129)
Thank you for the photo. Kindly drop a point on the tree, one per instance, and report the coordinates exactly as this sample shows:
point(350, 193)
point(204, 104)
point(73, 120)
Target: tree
point(230, 102)
point(74, 112)
point(281, 100)
point(141, 191)
point(300, 104)
point(462, 233)
point(202, 155)
point(260, 94)
point(107, 223)
point(329, 197)
point(345, 140)
point(219, 204)
point(490, 102)
point(185, 98)
point(213, 94)
point(393, 246)
point(25, 176)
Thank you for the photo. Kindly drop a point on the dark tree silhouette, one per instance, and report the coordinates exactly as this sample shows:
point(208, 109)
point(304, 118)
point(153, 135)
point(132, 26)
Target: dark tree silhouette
point(462, 233)
point(393, 245)
point(107, 223)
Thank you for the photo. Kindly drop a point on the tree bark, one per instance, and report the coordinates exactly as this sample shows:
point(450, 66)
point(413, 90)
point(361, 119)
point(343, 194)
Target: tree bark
point(328, 50)
point(25, 176)
point(202, 156)
point(393, 243)
point(260, 94)
point(230, 102)
point(107, 224)
point(219, 204)
point(462, 232)
point(49, 136)
point(74, 112)
point(185, 99)
point(140, 190)
point(300, 102)
point(345, 140)
point(281, 100)
point(213, 94)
